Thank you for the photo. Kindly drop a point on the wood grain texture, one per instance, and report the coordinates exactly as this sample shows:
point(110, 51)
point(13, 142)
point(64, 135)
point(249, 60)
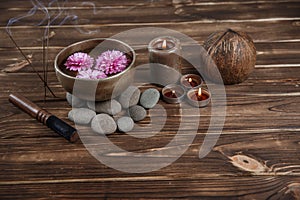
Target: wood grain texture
point(256, 156)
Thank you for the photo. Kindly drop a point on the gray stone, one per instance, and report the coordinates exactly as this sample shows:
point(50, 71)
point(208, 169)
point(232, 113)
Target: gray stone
point(103, 124)
point(111, 107)
point(130, 97)
point(74, 101)
point(81, 116)
point(149, 98)
point(125, 124)
point(137, 113)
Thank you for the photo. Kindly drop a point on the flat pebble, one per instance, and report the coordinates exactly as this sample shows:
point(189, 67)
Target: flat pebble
point(130, 97)
point(103, 124)
point(74, 101)
point(149, 98)
point(111, 107)
point(81, 116)
point(137, 113)
point(125, 124)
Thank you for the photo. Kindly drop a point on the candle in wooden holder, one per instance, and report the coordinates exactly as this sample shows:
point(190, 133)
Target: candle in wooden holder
point(173, 93)
point(165, 60)
point(189, 81)
point(198, 97)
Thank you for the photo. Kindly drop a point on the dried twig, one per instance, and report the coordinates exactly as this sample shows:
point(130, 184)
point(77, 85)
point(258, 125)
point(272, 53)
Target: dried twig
point(18, 65)
point(51, 35)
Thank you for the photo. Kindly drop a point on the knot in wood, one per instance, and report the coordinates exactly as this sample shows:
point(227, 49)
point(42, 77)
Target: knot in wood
point(248, 164)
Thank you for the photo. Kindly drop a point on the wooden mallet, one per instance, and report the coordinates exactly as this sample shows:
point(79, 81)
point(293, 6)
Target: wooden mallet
point(43, 116)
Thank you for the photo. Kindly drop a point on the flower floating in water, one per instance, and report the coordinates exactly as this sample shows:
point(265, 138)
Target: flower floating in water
point(91, 74)
point(108, 63)
point(79, 61)
point(111, 62)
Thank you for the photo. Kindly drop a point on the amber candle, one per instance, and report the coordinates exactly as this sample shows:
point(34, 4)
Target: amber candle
point(189, 81)
point(199, 97)
point(165, 60)
point(173, 93)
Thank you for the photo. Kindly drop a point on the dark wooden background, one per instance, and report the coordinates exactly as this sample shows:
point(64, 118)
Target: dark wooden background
point(257, 155)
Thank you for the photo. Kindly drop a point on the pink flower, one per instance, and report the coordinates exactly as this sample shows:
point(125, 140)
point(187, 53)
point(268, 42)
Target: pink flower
point(79, 61)
point(91, 74)
point(111, 62)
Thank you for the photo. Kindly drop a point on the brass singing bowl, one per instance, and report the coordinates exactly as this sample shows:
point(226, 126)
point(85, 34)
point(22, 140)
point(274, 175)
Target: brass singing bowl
point(100, 89)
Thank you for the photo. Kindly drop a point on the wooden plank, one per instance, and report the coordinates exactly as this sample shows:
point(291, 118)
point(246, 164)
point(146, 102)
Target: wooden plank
point(171, 11)
point(20, 4)
point(284, 81)
point(50, 159)
point(282, 113)
point(268, 55)
point(174, 182)
point(260, 188)
point(277, 31)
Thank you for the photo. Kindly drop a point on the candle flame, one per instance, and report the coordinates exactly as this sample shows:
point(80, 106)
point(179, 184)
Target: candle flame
point(190, 80)
point(199, 92)
point(173, 92)
point(164, 44)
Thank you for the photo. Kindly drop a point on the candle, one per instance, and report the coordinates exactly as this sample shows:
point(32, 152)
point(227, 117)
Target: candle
point(198, 97)
point(189, 81)
point(165, 60)
point(173, 93)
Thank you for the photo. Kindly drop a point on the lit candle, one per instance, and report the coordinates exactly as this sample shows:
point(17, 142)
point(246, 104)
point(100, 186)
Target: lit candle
point(189, 81)
point(199, 97)
point(165, 60)
point(173, 93)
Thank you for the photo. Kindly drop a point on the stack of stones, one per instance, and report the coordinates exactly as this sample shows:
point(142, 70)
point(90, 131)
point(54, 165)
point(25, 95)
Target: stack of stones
point(104, 116)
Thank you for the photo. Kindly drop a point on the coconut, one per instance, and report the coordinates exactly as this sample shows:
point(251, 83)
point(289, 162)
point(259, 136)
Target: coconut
point(234, 54)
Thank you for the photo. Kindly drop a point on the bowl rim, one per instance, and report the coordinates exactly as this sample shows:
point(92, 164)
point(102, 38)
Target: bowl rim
point(57, 69)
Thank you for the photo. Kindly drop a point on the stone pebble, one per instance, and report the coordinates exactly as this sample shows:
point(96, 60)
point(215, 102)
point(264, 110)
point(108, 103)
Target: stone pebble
point(125, 124)
point(81, 116)
point(111, 107)
point(149, 98)
point(137, 113)
point(103, 124)
point(74, 101)
point(130, 97)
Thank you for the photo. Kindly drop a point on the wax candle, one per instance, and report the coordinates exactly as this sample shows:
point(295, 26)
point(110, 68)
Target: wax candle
point(198, 97)
point(165, 60)
point(189, 81)
point(173, 93)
